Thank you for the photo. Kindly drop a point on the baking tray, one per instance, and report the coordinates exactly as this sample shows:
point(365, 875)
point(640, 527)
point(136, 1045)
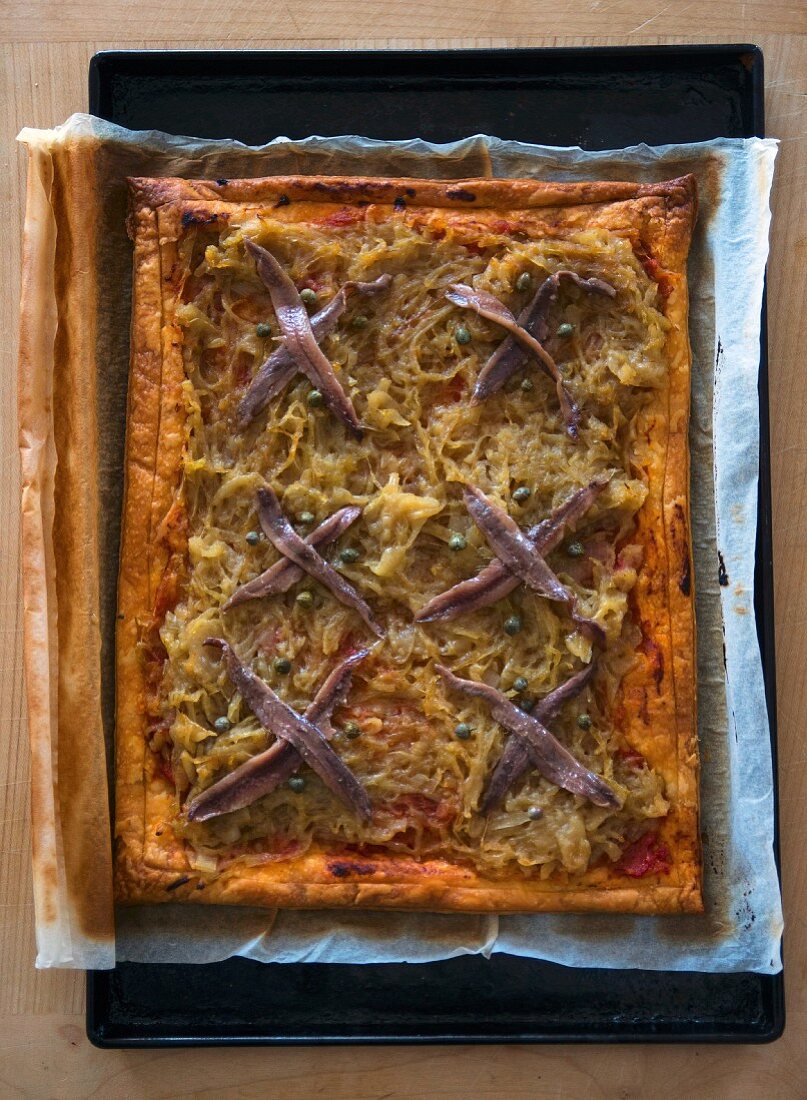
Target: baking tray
point(595, 98)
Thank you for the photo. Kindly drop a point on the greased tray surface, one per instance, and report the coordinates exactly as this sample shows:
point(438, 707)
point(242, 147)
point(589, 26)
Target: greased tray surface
point(595, 98)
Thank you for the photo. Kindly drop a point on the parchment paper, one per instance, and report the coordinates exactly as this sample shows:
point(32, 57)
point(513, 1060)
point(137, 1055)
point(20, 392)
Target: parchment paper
point(742, 926)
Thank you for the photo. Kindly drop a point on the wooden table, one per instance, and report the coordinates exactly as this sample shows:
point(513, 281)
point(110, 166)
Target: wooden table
point(43, 1050)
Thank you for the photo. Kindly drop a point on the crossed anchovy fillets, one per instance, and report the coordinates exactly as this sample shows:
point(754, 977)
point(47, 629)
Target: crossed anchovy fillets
point(527, 334)
point(281, 576)
point(543, 750)
point(300, 350)
point(300, 556)
point(300, 738)
point(520, 557)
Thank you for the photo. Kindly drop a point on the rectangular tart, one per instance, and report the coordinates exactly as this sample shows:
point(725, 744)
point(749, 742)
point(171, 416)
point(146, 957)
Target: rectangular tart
point(406, 600)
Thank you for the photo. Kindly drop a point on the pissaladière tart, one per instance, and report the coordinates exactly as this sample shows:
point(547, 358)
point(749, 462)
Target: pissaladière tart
point(405, 607)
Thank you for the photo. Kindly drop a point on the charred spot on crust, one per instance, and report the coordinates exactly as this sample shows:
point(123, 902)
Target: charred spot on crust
point(644, 713)
point(399, 203)
point(183, 881)
point(343, 187)
point(461, 194)
point(654, 656)
point(222, 182)
point(283, 200)
point(342, 868)
point(189, 218)
point(410, 192)
point(681, 544)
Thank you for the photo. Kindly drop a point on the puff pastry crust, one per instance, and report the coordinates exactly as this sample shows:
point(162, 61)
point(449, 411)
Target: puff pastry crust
point(651, 706)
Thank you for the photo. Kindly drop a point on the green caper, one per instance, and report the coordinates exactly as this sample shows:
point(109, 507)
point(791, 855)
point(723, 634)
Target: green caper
point(308, 296)
point(575, 550)
point(584, 721)
point(305, 599)
point(462, 731)
point(526, 703)
point(566, 329)
point(281, 665)
point(520, 683)
point(349, 554)
point(315, 399)
point(462, 335)
point(305, 519)
point(513, 624)
point(534, 813)
point(222, 725)
point(527, 385)
point(521, 494)
point(351, 730)
point(263, 329)
point(457, 542)
point(253, 537)
point(296, 784)
point(360, 321)
point(524, 281)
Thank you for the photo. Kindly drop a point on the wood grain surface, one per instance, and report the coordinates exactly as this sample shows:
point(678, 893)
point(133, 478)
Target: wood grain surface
point(46, 46)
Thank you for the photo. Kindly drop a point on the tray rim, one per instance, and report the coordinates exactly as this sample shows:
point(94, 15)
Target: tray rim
point(764, 584)
point(770, 1030)
point(105, 58)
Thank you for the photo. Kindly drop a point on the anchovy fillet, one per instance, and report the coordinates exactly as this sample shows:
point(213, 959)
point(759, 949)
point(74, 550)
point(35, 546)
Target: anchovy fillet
point(547, 754)
point(515, 759)
point(265, 772)
point(518, 554)
point(280, 719)
point(497, 580)
point(281, 366)
point(301, 343)
point(281, 533)
point(512, 547)
point(284, 573)
point(510, 356)
point(493, 310)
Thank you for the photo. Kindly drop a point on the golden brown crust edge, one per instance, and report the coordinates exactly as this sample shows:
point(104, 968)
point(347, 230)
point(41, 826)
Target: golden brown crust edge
point(678, 196)
point(662, 218)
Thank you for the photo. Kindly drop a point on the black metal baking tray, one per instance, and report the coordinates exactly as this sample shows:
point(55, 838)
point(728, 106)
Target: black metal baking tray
point(596, 98)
